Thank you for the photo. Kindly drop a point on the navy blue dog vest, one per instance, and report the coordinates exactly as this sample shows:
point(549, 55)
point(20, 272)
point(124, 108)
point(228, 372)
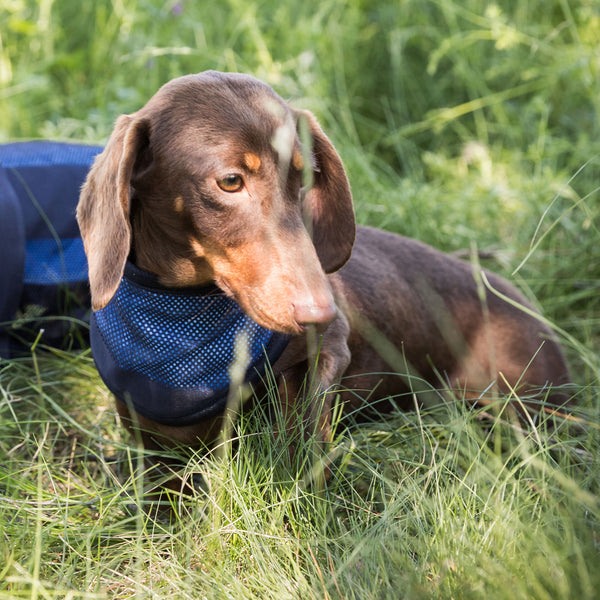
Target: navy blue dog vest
point(167, 351)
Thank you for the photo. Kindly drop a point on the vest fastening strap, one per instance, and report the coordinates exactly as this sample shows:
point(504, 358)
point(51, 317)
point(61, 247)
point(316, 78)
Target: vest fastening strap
point(168, 351)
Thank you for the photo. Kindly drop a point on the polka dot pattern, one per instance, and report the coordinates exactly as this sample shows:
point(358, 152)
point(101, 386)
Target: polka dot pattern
point(179, 339)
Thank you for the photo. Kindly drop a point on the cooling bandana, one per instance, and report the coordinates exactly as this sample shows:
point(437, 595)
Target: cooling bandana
point(168, 351)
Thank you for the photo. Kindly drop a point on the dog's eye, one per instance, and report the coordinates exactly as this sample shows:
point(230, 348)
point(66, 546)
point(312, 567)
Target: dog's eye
point(231, 183)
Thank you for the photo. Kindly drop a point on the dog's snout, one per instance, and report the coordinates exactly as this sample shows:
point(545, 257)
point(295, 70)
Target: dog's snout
point(310, 311)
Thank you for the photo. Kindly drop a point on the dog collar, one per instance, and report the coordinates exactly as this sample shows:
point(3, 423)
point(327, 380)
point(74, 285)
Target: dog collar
point(168, 351)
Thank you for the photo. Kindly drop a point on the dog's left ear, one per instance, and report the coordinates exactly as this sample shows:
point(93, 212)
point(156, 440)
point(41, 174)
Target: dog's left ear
point(329, 201)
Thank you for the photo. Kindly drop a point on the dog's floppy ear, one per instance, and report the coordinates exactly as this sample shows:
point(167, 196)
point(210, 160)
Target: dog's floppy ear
point(329, 201)
point(103, 209)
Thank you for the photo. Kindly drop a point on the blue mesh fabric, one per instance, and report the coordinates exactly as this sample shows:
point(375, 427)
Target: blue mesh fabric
point(44, 153)
point(55, 262)
point(179, 339)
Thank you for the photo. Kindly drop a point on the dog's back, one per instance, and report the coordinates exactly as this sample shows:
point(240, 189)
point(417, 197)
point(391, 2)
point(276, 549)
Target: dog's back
point(438, 321)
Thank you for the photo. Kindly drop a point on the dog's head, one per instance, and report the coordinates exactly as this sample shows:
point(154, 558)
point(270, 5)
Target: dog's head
point(218, 179)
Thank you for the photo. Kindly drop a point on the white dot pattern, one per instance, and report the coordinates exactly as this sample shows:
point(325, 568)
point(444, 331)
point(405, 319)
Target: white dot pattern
point(178, 339)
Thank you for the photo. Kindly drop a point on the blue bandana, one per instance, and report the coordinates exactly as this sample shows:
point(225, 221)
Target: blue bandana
point(168, 351)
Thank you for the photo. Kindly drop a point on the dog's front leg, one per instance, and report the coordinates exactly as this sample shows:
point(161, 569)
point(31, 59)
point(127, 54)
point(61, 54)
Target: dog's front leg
point(308, 382)
point(328, 359)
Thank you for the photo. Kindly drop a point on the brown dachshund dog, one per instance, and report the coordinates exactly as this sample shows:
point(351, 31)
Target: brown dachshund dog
point(217, 180)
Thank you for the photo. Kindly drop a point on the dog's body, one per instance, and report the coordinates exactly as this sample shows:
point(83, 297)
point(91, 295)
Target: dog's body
point(205, 184)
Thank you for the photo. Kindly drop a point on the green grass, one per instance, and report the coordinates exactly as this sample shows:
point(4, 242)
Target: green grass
point(432, 503)
point(464, 124)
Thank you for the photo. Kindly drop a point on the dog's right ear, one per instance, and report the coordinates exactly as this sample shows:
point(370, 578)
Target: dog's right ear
point(104, 205)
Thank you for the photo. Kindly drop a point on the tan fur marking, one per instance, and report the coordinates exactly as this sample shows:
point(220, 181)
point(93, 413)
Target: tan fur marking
point(178, 204)
point(197, 248)
point(297, 160)
point(252, 161)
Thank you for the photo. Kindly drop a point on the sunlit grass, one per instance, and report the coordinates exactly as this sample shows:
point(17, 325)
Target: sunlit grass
point(468, 125)
point(437, 501)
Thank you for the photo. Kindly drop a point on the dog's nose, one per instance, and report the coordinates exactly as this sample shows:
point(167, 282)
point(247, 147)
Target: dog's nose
point(310, 312)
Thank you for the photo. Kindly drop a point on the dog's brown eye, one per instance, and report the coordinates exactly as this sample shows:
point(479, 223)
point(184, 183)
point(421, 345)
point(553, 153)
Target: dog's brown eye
point(231, 183)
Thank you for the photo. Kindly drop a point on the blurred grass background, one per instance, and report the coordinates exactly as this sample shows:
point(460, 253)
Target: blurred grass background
point(464, 124)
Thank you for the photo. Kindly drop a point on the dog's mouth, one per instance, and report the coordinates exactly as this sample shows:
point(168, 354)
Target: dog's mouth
point(282, 323)
point(285, 321)
point(261, 317)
